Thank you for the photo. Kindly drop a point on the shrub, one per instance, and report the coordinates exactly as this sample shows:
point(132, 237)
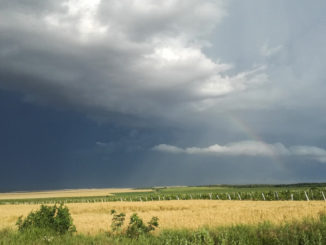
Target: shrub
point(117, 220)
point(137, 227)
point(152, 224)
point(48, 218)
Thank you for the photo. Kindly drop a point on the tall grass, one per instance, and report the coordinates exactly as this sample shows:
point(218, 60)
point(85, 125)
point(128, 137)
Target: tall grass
point(307, 231)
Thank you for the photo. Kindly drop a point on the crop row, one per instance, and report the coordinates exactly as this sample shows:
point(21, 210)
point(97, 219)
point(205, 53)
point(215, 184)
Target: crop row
point(256, 196)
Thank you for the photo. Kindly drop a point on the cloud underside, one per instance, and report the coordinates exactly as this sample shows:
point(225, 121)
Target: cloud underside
point(248, 148)
point(132, 57)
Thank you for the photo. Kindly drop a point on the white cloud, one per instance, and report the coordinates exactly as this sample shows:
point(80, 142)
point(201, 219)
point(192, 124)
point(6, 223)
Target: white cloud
point(79, 17)
point(130, 57)
point(168, 148)
point(249, 148)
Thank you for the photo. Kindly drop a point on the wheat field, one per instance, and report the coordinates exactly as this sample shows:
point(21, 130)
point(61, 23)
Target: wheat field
point(91, 218)
point(68, 193)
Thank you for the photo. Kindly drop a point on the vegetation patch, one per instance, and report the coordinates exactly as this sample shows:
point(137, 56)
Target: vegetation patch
point(308, 231)
point(136, 227)
point(296, 192)
point(48, 219)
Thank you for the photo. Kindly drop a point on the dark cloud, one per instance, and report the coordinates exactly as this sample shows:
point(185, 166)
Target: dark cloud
point(179, 74)
point(91, 62)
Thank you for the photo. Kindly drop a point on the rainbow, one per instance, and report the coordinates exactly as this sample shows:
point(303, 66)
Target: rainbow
point(251, 134)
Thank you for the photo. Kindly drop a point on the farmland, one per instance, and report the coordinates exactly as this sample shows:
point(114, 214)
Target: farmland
point(92, 218)
point(222, 192)
point(188, 209)
point(65, 194)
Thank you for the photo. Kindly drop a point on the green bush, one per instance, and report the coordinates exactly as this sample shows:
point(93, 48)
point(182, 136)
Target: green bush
point(117, 220)
point(55, 219)
point(137, 227)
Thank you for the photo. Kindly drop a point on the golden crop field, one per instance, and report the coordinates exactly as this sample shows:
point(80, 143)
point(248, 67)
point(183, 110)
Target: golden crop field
point(91, 218)
point(67, 193)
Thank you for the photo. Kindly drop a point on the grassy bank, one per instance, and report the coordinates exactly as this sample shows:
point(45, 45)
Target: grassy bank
point(307, 231)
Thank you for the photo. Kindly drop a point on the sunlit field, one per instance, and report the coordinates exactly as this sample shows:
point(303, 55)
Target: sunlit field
point(67, 193)
point(92, 218)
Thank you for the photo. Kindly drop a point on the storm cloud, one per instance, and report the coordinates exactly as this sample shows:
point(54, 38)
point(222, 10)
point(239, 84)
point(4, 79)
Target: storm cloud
point(128, 57)
point(178, 76)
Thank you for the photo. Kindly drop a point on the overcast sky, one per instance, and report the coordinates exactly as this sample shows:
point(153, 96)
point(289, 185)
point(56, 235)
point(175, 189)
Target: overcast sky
point(177, 92)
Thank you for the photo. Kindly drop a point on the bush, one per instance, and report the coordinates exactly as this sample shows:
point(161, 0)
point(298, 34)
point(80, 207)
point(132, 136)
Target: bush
point(48, 218)
point(136, 225)
point(117, 220)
